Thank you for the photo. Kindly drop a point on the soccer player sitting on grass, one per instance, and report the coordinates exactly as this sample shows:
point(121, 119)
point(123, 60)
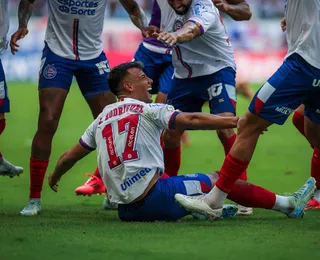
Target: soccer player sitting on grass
point(130, 159)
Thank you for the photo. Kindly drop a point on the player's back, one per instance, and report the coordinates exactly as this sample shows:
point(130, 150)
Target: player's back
point(303, 29)
point(128, 146)
point(75, 27)
point(4, 24)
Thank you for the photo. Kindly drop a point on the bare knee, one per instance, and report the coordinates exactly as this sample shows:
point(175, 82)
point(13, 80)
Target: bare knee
point(251, 125)
point(48, 121)
point(172, 138)
point(225, 134)
point(312, 131)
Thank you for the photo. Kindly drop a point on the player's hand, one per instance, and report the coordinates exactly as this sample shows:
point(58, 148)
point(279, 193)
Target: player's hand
point(149, 31)
point(53, 183)
point(20, 34)
point(222, 5)
point(283, 24)
point(169, 39)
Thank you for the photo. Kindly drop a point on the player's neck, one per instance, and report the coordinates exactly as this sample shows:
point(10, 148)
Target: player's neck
point(122, 97)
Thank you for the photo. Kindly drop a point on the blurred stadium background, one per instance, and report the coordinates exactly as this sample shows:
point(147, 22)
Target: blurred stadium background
point(259, 44)
point(72, 227)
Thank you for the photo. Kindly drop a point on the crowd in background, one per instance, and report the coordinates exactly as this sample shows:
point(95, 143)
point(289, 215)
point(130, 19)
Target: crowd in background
point(262, 9)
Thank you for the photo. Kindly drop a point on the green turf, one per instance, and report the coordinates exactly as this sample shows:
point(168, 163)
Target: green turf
point(73, 227)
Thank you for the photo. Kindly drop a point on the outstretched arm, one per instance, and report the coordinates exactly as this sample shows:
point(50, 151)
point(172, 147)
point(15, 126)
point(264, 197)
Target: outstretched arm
point(238, 10)
point(24, 14)
point(204, 121)
point(136, 13)
point(65, 163)
point(187, 33)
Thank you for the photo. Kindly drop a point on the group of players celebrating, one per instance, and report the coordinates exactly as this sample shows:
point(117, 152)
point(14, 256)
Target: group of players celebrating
point(186, 58)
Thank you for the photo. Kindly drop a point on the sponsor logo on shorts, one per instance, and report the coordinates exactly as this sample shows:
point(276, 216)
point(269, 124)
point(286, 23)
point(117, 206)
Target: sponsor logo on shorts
point(316, 83)
point(78, 7)
point(103, 67)
point(49, 71)
point(284, 110)
point(191, 175)
point(132, 180)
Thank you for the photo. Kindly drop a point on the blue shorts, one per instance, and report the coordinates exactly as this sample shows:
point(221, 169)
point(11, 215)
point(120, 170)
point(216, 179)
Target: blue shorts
point(58, 72)
point(4, 99)
point(189, 95)
point(160, 204)
point(296, 82)
point(158, 67)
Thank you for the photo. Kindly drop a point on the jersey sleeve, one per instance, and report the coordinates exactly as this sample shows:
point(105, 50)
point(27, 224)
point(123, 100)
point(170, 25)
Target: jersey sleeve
point(203, 15)
point(88, 140)
point(162, 115)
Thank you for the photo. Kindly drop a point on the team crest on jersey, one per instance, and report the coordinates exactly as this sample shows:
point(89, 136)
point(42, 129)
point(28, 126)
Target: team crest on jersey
point(177, 25)
point(199, 9)
point(49, 71)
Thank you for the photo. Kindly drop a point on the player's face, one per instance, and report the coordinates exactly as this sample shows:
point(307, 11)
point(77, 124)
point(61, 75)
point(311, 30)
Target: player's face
point(141, 85)
point(181, 7)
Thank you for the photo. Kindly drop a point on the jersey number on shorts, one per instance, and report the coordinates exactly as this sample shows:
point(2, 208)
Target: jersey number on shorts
point(127, 125)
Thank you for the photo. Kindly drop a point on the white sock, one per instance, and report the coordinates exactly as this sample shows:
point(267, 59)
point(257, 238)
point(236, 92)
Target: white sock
point(215, 198)
point(282, 204)
point(316, 195)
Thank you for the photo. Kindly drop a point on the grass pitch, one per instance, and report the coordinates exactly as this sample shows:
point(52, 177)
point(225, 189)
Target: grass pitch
point(72, 227)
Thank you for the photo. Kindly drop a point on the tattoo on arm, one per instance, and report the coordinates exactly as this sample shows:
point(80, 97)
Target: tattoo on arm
point(24, 12)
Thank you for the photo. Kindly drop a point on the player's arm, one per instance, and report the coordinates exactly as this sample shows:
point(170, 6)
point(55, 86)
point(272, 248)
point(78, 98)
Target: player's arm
point(187, 33)
point(238, 10)
point(166, 117)
point(136, 14)
point(203, 121)
point(203, 18)
point(66, 162)
point(24, 14)
point(86, 144)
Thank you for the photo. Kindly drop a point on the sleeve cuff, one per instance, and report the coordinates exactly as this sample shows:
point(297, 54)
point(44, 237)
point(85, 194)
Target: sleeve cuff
point(84, 145)
point(172, 119)
point(198, 24)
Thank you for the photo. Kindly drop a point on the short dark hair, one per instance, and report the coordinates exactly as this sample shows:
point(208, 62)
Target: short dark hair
point(118, 73)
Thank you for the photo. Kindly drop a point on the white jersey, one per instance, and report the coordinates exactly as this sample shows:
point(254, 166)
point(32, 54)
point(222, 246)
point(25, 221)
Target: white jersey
point(205, 55)
point(127, 138)
point(303, 29)
point(4, 24)
point(74, 28)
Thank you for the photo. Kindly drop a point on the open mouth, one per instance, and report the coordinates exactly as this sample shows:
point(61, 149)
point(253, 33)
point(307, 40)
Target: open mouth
point(149, 88)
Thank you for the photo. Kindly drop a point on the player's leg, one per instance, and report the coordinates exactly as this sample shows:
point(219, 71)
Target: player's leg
point(312, 129)
point(92, 76)
point(254, 196)
point(222, 101)
point(243, 88)
point(55, 78)
point(298, 120)
point(185, 97)
point(171, 154)
point(6, 168)
point(273, 103)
